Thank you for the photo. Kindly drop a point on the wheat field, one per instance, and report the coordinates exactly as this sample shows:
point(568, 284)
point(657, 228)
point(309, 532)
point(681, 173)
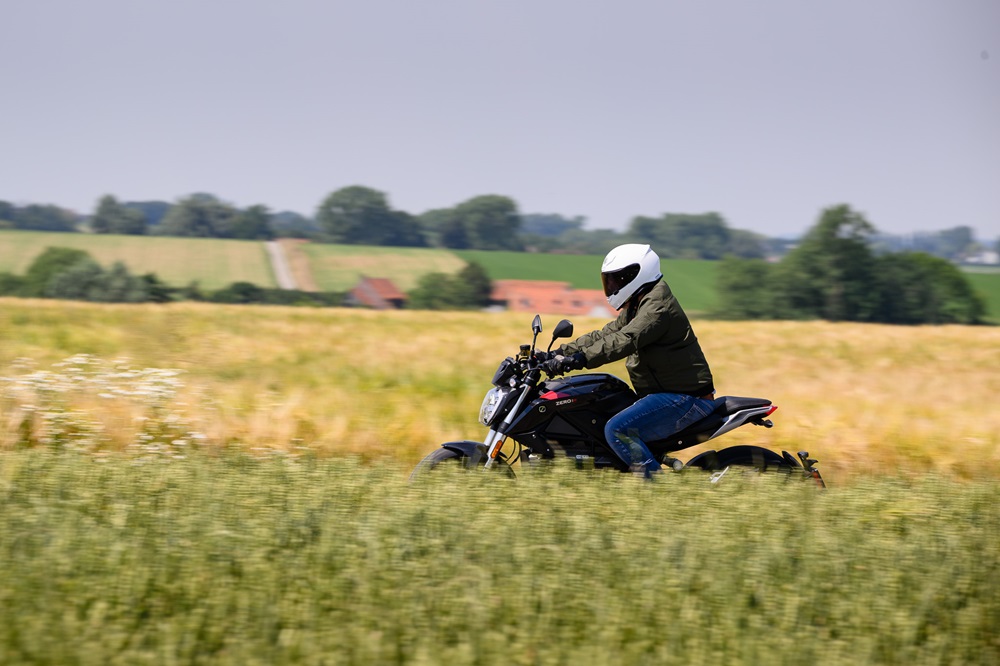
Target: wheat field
point(860, 398)
point(213, 263)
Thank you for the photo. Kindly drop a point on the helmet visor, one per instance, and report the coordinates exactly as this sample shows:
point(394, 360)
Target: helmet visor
point(614, 281)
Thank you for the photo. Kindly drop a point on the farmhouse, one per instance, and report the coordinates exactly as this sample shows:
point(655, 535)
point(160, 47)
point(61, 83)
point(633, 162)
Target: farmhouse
point(376, 293)
point(549, 297)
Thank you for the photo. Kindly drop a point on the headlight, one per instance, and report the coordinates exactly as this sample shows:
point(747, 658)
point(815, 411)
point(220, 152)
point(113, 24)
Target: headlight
point(491, 404)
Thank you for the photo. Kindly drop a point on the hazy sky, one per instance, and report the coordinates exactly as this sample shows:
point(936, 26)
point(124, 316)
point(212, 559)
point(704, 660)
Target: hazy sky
point(764, 111)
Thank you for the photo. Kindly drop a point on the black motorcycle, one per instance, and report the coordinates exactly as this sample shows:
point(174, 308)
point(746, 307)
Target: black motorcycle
point(565, 416)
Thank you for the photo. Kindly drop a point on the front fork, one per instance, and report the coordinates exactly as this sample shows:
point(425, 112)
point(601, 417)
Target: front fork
point(492, 445)
point(496, 437)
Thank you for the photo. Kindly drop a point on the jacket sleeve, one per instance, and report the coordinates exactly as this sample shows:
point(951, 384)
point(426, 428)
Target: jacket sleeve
point(589, 339)
point(620, 339)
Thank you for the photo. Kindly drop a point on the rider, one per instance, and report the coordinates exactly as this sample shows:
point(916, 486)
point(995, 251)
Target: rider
point(665, 362)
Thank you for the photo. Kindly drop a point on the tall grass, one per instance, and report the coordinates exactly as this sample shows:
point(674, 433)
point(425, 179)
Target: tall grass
point(227, 485)
point(861, 398)
point(231, 559)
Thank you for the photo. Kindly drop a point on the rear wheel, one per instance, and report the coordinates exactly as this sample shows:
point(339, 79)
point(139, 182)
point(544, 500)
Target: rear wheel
point(449, 460)
point(743, 456)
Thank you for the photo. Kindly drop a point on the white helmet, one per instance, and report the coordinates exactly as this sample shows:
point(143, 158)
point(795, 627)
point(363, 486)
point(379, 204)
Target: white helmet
point(626, 269)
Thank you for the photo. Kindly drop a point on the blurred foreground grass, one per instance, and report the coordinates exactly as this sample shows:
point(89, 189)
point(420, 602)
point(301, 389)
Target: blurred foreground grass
point(231, 559)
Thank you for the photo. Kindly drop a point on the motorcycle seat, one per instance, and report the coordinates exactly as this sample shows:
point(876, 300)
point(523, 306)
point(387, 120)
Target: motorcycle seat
point(701, 431)
point(728, 404)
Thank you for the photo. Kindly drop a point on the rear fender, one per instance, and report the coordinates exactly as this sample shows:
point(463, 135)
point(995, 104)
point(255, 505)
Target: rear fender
point(742, 417)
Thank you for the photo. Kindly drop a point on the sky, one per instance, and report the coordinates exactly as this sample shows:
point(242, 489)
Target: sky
point(765, 112)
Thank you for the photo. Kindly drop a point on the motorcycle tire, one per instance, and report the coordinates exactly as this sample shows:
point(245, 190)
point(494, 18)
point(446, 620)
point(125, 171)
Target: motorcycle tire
point(444, 460)
point(741, 456)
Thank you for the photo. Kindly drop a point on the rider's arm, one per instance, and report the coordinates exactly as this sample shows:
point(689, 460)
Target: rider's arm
point(592, 338)
point(619, 339)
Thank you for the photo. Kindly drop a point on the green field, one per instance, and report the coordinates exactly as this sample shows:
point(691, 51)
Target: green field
point(228, 559)
point(212, 263)
point(988, 285)
point(692, 281)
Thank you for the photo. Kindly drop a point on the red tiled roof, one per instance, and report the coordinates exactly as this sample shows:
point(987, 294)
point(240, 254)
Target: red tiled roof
point(384, 288)
point(502, 288)
point(378, 293)
point(550, 297)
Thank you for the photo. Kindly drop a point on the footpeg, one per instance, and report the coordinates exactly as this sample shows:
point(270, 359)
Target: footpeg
point(673, 463)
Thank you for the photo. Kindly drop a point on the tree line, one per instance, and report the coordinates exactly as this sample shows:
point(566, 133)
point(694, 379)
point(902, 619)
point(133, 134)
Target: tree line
point(835, 274)
point(359, 215)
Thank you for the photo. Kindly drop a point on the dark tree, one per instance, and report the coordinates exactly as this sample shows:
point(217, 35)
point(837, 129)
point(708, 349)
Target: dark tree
point(359, 215)
point(917, 288)
point(7, 214)
point(834, 275)
point(153, 211)
point(744, 289)
point(254, 223)
point(87, 281)
point(491, 222)
point(468, 289)
point(44, 218)
point(48, 264)
point(830, 274)
point(200, 215)
point(689, 236)
point(112, 217)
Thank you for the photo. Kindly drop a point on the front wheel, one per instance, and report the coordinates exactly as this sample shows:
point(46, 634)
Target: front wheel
point(449, 460)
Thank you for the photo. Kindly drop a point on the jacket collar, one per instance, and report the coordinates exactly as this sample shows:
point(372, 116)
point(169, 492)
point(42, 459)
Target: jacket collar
point(636, 300)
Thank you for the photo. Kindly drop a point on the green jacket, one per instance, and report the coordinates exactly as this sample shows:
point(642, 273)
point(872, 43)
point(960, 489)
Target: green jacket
point(663, 353)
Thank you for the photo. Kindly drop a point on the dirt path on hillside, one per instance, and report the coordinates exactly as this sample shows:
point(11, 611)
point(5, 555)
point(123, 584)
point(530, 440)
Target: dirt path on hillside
point(279, 263)
point(299, 263)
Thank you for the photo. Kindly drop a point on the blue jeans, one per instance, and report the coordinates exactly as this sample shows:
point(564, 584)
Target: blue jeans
point(655, 416)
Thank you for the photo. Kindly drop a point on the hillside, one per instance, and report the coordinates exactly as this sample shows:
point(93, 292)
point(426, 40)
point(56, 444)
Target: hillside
point(216, 263)
point(339, 267)
point(211, 262)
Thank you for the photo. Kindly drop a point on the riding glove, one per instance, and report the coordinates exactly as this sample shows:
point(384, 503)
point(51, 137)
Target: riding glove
point(560, 365)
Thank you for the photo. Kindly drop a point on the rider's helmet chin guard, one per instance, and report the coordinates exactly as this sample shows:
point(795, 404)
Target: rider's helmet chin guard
point(626, 269)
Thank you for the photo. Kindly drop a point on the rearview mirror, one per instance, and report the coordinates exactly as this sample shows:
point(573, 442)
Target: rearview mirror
point(536, 325)
point(564, 329)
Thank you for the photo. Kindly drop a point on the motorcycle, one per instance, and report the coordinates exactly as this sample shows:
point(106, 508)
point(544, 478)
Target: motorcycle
point(565, 417)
